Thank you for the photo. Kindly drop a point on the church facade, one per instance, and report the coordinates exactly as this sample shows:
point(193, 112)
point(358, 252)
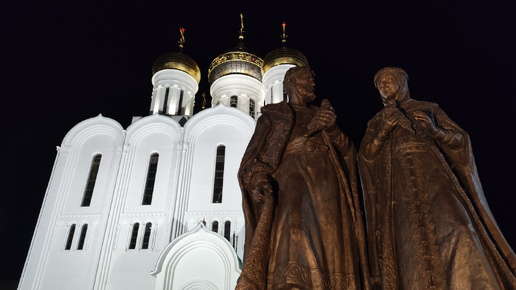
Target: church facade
point(157, 205)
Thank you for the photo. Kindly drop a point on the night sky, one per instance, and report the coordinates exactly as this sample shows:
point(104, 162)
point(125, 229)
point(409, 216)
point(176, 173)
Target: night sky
point(62, 63)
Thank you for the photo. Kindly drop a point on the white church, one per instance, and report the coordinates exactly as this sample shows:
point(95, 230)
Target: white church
point(157, 205)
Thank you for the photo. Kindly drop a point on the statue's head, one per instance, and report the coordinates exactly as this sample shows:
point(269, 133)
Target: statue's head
point(299, 82)
point(392, 83)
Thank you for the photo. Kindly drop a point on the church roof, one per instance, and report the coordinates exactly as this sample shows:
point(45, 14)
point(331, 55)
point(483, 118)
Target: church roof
point(178, 60)
point(283, 55)
point(236, 61)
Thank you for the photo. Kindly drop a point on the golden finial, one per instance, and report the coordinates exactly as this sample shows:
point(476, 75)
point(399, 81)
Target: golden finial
point(241, 34)
point(182, 39)
point(284, 36)
point(203, 100)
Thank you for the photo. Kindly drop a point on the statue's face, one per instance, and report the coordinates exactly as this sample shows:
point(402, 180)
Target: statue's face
point(388, 87)
point(305, 86)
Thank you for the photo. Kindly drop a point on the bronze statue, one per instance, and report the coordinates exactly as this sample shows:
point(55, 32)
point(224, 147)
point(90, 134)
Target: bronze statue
point(429, 225)
point(304, 226)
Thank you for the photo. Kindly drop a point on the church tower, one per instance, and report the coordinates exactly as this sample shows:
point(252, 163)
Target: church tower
point(236, 78)
point(157, 205)
point(175, 79)
point(275, 65)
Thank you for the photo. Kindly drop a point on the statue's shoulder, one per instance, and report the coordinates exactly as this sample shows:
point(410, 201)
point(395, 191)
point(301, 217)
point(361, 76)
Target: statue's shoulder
point(278, 108)
point(420, 105)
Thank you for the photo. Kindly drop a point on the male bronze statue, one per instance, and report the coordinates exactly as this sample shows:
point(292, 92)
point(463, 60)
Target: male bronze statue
point(429, 225)
point(303, 221)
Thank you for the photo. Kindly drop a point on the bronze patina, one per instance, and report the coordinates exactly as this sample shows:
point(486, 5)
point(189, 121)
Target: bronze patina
point(429, 225)
point(304, 226)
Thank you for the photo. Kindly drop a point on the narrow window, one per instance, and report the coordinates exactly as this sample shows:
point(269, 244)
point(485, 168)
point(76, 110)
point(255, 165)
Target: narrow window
point(69, 240)
point(151, 177)
point(233, 101)
point(146, 236)
point(165, 102)
point(90, 183)
point(134, 236)
point(227, 230)
point(215, 226)
point(219, 174)
point(180, 110)
point(82, 237)
point(251, 107)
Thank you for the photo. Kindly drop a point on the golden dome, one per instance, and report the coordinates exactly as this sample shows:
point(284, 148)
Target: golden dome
point(179, 61)
point(236, 61)
point(283, 55)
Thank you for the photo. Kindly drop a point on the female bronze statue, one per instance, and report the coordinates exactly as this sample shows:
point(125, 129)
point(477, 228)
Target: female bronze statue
point(429, 225)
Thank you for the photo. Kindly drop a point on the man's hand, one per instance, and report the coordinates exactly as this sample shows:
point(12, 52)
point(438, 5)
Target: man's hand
point(262, 189)
point(324, 118)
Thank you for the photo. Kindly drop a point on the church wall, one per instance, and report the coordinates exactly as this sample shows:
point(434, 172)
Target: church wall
point(273, 83)
point(242, 86)
point(231, 128)
point(150, 135)
point(56, 250)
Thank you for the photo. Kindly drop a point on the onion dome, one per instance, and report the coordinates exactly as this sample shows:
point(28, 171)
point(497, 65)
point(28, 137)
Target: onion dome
point(178, 60)
point(283, 55)
point(236, 61)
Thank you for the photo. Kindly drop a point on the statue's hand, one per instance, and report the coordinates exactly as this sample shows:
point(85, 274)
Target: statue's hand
point(324, 118)
point(426, 121)
point(261, 190)
point(326, 115)
point(391, 117)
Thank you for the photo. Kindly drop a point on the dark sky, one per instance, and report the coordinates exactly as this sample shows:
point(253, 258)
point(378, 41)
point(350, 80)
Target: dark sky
point(62, 63)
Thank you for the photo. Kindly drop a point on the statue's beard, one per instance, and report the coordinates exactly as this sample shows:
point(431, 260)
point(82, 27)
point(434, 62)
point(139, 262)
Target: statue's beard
point(307, 94)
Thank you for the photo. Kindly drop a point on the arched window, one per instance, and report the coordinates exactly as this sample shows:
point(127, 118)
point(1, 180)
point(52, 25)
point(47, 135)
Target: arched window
point(252, 106)
point(215, 226)
point(134, 236)
point(92, 178)
point(151, 177)
point(82, 237)
point(233, 101)
point(219, 174)
point(227, 230)
point(146, 236)
point(69, 240)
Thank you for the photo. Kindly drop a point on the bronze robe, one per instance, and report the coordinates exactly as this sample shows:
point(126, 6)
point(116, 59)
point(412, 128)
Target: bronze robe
point(429, 225)
point(310, 233)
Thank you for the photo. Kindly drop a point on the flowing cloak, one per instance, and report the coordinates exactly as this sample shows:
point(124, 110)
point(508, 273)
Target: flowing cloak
point(292, 236)
point(429, 225)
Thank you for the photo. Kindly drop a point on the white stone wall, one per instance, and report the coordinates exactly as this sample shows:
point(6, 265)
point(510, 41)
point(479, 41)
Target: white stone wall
point(48, 261)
